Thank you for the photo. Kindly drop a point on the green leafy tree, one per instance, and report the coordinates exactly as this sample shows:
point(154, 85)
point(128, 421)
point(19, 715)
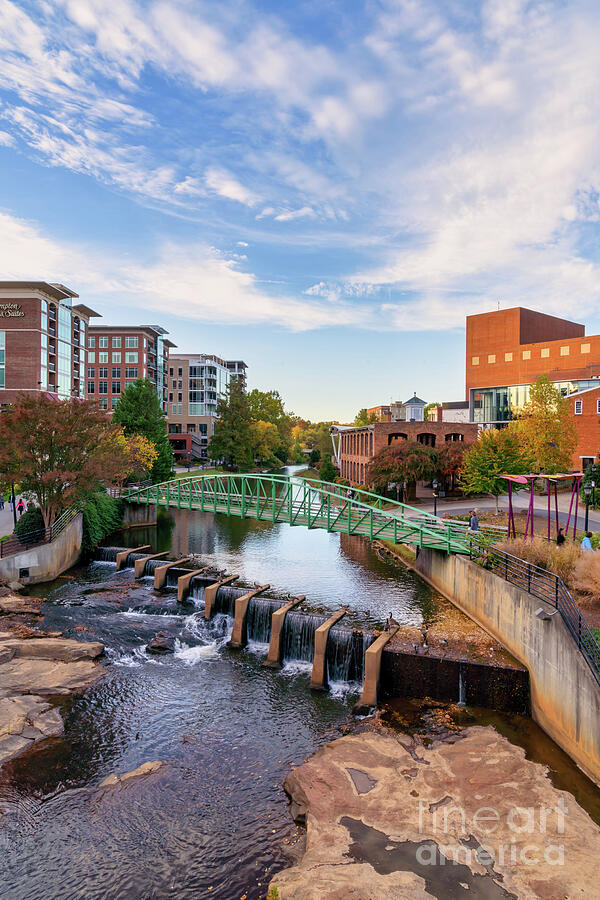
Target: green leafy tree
point(268, 406)
point(139, 411)
point(363, 418)
point(403, 461)
point(233, 440)
point(545, 429)
point(496, 453)
point(327, 470)
point(265, 442)
point(315, 456)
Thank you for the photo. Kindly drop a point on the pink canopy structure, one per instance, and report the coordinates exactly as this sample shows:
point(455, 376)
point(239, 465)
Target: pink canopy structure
point(551, 480)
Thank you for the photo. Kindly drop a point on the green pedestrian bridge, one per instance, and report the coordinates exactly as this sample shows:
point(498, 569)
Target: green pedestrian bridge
point(289, 499)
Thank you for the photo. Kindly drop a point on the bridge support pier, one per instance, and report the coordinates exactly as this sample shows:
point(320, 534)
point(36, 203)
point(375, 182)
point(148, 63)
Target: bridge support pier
point(160, 574)
point(372, 671)
point(210, 593)
point(318, 678)
point(122, 557)
point(239, 635)
point(140, 564)
point(184, 581)
point(273, 660)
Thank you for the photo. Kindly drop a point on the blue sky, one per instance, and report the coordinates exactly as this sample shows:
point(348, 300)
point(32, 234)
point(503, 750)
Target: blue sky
point(324, 189)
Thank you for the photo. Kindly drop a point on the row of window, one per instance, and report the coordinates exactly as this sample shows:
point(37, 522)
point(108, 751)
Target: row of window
point(115, 372)
point(579, 407)
point(103, 387)
point(526, 354)
point(179, 372)
point(116, 357)
point(103, 342)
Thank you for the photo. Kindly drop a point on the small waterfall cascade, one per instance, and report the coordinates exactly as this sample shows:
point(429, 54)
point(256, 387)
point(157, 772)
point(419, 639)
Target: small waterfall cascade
point(107, 554)
point(461, 686)
point(226, 597)
point(346, 653)
point(260, 611)
point(197, 585)
point(153, 564)
point(298, 638)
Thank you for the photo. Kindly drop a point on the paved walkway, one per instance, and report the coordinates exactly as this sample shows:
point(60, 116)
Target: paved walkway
point(6, 518)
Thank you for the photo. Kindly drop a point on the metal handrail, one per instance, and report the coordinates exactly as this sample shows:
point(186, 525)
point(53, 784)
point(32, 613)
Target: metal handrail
point(14, 545)
point(546, 586)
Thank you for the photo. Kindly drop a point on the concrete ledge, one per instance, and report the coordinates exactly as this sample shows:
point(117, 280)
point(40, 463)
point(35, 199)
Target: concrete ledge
point(160, 573)
point(183, 582)
point(122, 557)
point(210, 593)
point(318, 678)
point(372, 670)
point(273, 660)
point(239, 634)
point(140, 564)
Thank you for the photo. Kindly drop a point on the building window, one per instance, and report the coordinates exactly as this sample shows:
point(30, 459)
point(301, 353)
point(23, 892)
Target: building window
point(91, 387)
point(170, 398)
point(91, 373)
point(130, 373)
point(180, 397)
point(174, 409)
point(131, 357)
point(171, 371)
point(103, 404)
point(174, 383)
point(102, 372)
point(91, 341)
point(508, 357)
point(103, 343)
point(131, 342)
point(545, 352)
point(103, 387)
point(114, 402)
point(116, 373)
point(526, 354)
point(180, 371)
point(116, 357)
point(116, 342)
point(103, 357)
point(598, 407)
point(578, 407)
point(491, 357)
point(585, 348)
point(564, 351)
point(91, 356)
point(475, 361)
point(116, 387)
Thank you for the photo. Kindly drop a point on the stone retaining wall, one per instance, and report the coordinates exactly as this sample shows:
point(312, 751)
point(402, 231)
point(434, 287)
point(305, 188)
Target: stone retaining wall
point(45, 562)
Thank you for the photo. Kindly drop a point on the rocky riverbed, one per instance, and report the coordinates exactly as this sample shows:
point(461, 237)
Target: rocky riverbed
point(36, 668)
point(388, 817)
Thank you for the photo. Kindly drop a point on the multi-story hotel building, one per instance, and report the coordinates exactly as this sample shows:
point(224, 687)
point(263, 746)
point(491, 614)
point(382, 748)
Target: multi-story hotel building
point(117, 355)
point(42, 340)
point(195, 383)
point(237, 369)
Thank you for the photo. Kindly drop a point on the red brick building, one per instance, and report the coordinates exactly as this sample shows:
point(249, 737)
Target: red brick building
point(117, 355)
point(354, 447)
point(42, 340)
point(585, 411)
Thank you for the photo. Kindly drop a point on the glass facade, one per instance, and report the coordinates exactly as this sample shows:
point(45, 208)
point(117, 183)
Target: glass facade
point(503, 404)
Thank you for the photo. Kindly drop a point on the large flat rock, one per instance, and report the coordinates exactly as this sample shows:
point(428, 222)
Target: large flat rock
point(388, 818)
point(63, 649)
point(47, 676)
point(25, 720)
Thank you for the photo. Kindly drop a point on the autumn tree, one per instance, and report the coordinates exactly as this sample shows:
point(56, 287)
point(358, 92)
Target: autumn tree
point(403, 461)
point(268, 406)
point(496, 453)
point(545, 429)
point(61, 450)
point(139, 411)
point(266, 441)
point(450, 457)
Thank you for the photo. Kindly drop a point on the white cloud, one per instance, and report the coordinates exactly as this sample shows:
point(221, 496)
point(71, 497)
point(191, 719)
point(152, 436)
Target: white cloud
point(6, 139)
point(289, 215)
point(221, 182)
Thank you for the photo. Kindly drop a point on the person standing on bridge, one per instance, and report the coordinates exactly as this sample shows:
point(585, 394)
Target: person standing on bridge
point(473, 521)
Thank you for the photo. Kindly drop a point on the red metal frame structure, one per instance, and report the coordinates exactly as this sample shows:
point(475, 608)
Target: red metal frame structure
point(550, 480)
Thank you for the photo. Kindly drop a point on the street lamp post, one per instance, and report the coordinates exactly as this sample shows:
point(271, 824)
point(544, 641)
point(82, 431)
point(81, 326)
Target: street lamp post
point(436, 487)
point(587, 490)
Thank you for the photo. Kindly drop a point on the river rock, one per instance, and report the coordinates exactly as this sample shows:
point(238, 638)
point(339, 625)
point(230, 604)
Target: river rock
point(63, 649)
point(24, 721)
point(20, 605)
point(47, 676)
point(146, 768)
point(161, 643)
point(389, 818)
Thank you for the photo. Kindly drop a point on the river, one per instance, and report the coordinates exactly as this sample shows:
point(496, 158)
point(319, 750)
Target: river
point(215, 821)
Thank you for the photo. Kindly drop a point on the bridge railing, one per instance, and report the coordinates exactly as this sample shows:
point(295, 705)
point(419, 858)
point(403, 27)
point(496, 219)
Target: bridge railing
point(38, 536)
point(546, 586)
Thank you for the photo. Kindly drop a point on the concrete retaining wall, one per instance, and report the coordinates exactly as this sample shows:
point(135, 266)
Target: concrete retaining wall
point(137, 515)
point(565, 697)
point(45, 562)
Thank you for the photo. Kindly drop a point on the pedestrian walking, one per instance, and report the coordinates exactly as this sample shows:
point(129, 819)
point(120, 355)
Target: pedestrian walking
point(20, 507)
point(1, 501)
point(473, 521)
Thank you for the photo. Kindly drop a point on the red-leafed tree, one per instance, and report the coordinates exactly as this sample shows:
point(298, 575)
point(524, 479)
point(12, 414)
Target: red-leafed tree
point(61, 450)
point(450, 460)
point(404, 461)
